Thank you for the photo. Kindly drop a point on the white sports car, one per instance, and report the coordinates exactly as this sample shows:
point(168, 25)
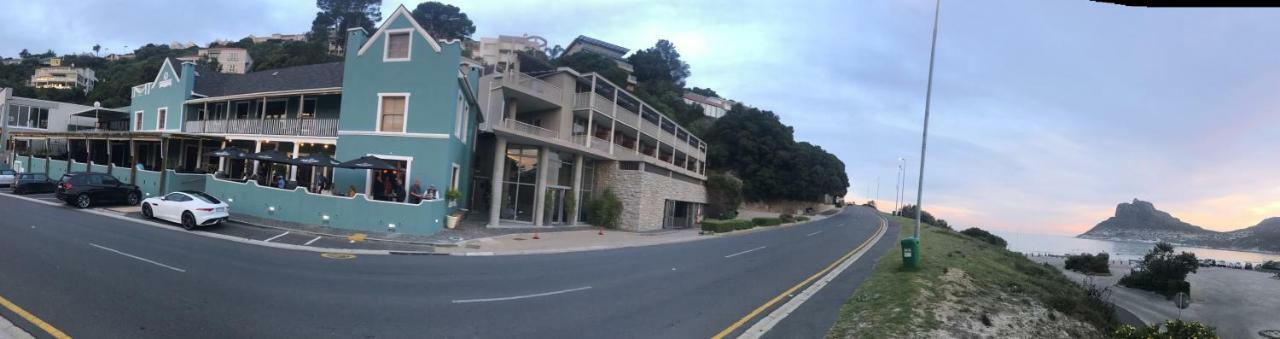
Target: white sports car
point(189, 208)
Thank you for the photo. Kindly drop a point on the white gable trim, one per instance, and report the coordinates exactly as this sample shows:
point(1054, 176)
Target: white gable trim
point(177, 76)
point(401, 11)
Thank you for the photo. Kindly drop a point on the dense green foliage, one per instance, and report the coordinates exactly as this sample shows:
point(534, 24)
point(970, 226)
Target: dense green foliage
point(1271, 265)
point(724, 195)
point(909, 211)
point(442, 21)
point(592, 63)
point(722, 226)
point(755, 146)
point(1171, 329)
point(1088, 263)
point(983, 235)
point(605, 210)
point(1163, 272)
point(763, 221)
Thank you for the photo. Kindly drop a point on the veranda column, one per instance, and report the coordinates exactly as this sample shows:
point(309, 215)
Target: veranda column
point(540, 194)
point(88, 155)
point(111, 165)
point(257, 148)
point(164, 164)
point(499, 165)
point(293, 169)
point(133, 162)
point(577, 188)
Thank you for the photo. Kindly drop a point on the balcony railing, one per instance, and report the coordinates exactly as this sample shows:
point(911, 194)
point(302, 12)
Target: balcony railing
point(600, 144)
point(628, 117)
point(581, 100)
point(580, 139)
point(299, 127)
point(535, 86)
point(528, 129)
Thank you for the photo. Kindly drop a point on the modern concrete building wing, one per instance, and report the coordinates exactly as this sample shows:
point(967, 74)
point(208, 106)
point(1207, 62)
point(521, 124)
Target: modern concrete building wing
point(61, 77)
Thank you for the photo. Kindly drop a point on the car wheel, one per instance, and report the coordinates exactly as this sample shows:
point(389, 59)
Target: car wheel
point(146, 211)
point(83, 201)
point(131, 199)
point(17, 190)
point(188, 221)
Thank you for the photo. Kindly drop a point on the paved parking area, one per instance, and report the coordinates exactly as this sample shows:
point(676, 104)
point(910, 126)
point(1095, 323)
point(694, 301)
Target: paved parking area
point(257, 233)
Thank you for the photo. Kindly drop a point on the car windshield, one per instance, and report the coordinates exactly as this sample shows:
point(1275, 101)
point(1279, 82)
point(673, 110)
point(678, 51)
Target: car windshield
point(203, 196)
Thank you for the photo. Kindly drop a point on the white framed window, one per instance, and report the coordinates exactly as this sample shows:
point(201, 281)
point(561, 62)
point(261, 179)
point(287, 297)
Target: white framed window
point(137, 121)
point(160, 115)
point(309, 108)
point(393, 111)
point(459, 117)
point(454, 177)
point(397, 45)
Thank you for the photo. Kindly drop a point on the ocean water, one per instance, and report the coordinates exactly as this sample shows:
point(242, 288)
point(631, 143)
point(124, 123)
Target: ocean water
point(1123, 250)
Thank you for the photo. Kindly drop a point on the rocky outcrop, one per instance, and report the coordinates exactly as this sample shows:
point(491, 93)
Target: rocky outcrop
point(1141, 221)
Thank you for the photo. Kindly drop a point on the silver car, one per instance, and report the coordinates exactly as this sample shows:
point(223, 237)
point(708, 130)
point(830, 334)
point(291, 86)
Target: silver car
point(7, 176)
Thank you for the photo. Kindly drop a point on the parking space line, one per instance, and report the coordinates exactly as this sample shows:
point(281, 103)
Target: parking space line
point(139, 258)
point(465, 301)
point(309, 242)
point(278, 236)
point(745, 252)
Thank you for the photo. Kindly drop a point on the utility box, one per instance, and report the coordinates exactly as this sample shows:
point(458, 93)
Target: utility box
point(910, 253)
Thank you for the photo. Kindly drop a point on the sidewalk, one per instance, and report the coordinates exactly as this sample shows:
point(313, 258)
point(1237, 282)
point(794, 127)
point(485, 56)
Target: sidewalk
point(9, 331)
point(568, 241)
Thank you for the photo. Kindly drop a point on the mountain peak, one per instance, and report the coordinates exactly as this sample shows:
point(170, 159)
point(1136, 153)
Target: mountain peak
point(1141, 216)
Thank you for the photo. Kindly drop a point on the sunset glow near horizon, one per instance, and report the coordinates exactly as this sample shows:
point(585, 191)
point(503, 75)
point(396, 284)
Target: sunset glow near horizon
point(1046, 114)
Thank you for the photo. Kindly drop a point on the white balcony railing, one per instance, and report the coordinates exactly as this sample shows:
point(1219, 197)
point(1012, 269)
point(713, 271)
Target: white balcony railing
point(580, 139)
point(528, 129)
point(535, 86)
point(300, 127)
point(600, 144)
point(581, 100)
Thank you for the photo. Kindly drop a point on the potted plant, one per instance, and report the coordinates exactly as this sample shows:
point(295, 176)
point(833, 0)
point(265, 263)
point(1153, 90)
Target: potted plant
point(451, 220)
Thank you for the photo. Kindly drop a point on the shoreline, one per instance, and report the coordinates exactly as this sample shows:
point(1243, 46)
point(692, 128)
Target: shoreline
point(1082, 236)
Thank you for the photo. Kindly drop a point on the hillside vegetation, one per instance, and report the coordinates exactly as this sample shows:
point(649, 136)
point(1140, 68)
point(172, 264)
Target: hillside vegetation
point(967, 287)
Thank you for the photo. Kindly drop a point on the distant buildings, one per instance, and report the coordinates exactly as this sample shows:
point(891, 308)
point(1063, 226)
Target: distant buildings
point(182, 45)
point(118, 57)
point(64, 78)
point(230, 59)
point(499, 54)
point(278, 37)
point(587, 44)
point(25, 114)
point(711, 106)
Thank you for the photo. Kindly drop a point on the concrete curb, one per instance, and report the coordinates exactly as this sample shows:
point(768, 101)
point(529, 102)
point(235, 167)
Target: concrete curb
point(254, 224)
point(10, 331)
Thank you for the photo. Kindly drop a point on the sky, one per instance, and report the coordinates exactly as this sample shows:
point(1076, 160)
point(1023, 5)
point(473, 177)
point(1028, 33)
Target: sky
point(1045, 114)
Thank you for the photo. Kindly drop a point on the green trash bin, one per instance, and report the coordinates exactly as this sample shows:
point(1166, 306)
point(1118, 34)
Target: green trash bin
point(910, 253)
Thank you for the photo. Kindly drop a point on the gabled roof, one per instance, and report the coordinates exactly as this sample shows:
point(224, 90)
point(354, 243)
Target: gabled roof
point(593, 41)
point(400, 12)
point(214, 84)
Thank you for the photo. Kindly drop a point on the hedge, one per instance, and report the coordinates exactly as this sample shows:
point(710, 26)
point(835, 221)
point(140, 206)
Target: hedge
point(722, 226)
point(766, 221)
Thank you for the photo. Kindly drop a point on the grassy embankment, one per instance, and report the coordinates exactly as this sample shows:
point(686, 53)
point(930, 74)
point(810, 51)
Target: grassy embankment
point(965, 287)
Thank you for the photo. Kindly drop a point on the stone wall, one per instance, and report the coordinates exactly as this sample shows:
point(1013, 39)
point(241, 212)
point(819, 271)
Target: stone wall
point(644, 195)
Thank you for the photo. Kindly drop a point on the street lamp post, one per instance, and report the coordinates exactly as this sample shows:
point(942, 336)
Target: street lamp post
point(928, 99)
point(897, 186)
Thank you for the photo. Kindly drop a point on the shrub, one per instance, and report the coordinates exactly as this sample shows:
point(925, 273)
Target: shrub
point(722, 226)
point(1089, 263)
point(605, 210)
point(984, 236)
point(1271, 265)
point(1163, 272)
point(787, 218)
point(766, 221)
point(802, 218)
point(1172, 329)
point(724, 195)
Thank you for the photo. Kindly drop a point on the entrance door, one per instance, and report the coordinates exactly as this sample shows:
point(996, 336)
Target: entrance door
point(190, 157)
point(555, 209)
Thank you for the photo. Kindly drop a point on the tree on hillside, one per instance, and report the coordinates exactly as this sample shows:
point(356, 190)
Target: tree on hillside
point(554, 52)
point(660, 63)
point(706, 92)
point(442, 21)
point(340, 15)
point(587, 62)
point(24, 54)
point(752, 144)
point(96, 48)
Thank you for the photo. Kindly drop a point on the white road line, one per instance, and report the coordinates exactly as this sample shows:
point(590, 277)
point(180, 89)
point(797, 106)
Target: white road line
point(768, 322)
point(745, 252)
point(309, 242)
point(139, 258)
point(812, 234)
point(274, 238)
point(464, 301)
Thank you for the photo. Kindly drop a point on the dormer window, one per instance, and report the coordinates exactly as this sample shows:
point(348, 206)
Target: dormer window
point(398, 45)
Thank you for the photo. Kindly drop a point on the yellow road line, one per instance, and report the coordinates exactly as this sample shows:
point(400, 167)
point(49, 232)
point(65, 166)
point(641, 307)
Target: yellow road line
point(789, 291)
point(33, 319)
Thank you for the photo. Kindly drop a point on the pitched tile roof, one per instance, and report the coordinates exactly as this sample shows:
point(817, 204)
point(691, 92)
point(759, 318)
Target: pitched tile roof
point(214, 84)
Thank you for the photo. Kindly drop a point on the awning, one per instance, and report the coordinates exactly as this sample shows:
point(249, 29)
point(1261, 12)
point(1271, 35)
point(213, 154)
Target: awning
point(103, 114)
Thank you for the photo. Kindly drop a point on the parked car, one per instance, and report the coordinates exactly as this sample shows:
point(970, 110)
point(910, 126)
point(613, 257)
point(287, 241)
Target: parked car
point(7, 176)
point(33, 183)
point(87, 189)
point(188, 208)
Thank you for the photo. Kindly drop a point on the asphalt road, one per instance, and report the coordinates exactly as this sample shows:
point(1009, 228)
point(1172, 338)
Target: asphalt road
point(93, 276)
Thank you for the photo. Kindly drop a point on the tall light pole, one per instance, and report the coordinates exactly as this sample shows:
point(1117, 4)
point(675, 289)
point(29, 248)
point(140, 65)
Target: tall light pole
point(928, 99)
point(897, 186)
point(877, 188)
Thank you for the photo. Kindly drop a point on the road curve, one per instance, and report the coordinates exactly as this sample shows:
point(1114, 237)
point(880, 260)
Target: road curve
point(93, 276)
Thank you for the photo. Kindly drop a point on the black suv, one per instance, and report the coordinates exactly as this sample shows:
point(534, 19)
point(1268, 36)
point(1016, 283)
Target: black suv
point(87, 189)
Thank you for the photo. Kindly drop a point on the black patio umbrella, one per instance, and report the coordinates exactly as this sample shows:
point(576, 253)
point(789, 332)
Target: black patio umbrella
point(368, 162)
point(271, 156)
point(230, 152)
point(317, 160)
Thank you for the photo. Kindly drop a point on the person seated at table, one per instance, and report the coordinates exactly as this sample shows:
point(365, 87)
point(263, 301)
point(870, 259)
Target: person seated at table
point(351, 191)
point(280, 183)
